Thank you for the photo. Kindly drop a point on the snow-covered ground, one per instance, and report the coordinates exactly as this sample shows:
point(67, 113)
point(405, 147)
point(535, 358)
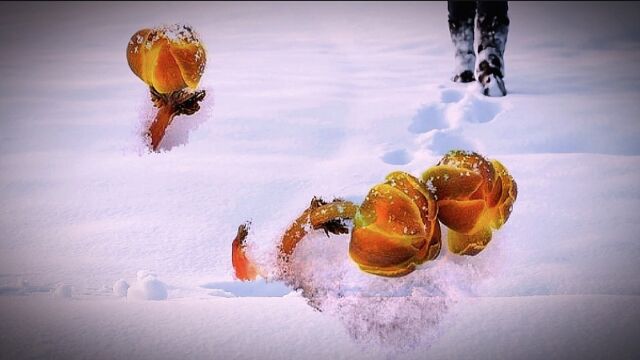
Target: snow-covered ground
point(309, 99)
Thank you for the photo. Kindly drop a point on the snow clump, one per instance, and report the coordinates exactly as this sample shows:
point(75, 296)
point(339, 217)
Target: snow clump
point(147, 287)
point(63, 291)
point(120, 288)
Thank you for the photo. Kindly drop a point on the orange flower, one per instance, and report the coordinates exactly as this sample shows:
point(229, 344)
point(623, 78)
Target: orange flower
point(474, 196)
point(167, 58)
point(396, 227)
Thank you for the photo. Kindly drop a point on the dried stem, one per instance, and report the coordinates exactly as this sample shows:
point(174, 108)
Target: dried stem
point(180, 102)
point(319, 215)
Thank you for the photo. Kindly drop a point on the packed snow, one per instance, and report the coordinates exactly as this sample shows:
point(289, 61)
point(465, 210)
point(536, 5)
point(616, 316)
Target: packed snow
point(147, 287)
point(120, 288)
point(303, 100)
point(63, 291)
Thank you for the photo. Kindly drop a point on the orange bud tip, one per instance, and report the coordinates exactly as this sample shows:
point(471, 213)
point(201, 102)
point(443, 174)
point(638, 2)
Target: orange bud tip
point(244, 268)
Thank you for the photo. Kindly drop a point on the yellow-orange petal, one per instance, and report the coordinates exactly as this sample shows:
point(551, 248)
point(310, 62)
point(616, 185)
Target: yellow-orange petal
point(432, 248)
point(167, 58)
point(494, 197)
point(468, 244)
point(391, 210)
point(469, 160)
point(461, 216)
point(416, 193)
point(377, 255)
point(135, 50)
point(502, 210)
point(374, 248)
point(448, 182)
point(191, 59)
point(167, 76)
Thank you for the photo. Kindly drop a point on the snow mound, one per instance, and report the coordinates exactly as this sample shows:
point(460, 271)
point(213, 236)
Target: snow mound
point(294, 294)
point(120, 288)
point(147, 287)
point(429, 117)
point(63, 291)
point(398, 313)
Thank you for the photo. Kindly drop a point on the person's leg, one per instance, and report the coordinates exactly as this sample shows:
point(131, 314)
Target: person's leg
point(493, 24)
point(461, 15)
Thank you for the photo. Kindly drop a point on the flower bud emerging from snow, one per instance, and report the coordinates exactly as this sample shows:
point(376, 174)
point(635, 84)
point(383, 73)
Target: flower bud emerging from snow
point(474, 196)
point(167, 58)
point(396, 227)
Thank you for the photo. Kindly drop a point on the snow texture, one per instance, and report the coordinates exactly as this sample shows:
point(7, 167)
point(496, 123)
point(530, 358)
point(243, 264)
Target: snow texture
point(147, 287)
point(120, 288)
point(258, 288)
point(63, 291)
point(303, 100)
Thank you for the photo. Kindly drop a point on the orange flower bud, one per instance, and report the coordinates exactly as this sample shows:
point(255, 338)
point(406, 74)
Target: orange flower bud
point(474, 196)
point(167, 58)
point(396, 227)
point(245, 269)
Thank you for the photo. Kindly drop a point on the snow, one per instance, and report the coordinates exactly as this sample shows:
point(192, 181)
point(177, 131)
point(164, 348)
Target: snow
point(120, 288)
point(257, 288)
point(303, 100)
point(63, 291)
point(237, 328)
point(147, 287)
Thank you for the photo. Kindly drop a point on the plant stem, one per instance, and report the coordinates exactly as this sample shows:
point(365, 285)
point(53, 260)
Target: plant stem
point(169, 106)
point(319, 215)
point(158, 128)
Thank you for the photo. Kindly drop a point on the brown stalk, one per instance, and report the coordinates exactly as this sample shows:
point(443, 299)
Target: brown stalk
point(320, 215)
point(180, 102)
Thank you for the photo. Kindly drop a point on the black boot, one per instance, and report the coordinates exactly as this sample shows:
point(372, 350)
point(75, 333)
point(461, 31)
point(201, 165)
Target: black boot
point(461, 15)
point(493, 25)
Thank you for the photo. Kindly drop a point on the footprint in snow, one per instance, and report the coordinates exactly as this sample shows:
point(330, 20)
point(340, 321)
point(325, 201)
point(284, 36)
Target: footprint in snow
point(397, 157)
point(439, 126)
